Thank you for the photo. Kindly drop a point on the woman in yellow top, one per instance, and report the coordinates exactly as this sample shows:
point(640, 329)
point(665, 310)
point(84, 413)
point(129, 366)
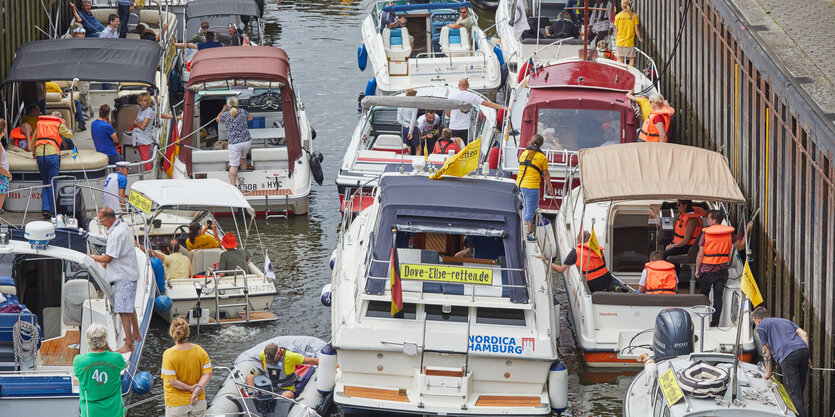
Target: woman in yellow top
point(198, 239)
point(186, 369)
point(626, 29)
point(533, 166)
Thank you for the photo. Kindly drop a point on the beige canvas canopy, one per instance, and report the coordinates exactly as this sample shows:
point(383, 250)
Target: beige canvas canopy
point(650, 171)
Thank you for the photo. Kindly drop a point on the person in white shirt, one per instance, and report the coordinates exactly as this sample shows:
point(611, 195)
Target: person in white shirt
point(459, 121)
point(114, 187)
point(427, 130)
point(112, 29)
point(407, 118)
point(120, 260)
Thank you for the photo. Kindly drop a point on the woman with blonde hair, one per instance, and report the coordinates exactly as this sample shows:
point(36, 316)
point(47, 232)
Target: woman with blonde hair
point(186, 369)
point(99, 376)
point(657, 124)
point(143, 132)
point(626, 29)
point(235, 119)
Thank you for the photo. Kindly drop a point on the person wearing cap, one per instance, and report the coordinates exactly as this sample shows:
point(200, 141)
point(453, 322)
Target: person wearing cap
point(115, 184)
point(79, 32)
point(280, 364)
point(234, 256)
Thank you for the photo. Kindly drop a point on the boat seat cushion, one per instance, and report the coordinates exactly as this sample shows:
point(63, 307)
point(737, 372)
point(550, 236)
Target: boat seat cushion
point(7, 286)
point(203, 259)
point(102, 14)
point(654, 300)
point(73, 295)
point(454, 42)
point(209, 160)
point(389, 143)
point(63, 105)
point(270, 158)
point(397, 43)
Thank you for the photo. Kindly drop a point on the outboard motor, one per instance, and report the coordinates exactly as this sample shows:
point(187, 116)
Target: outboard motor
point(673, 334)
point(71, 203)
point(264, 402)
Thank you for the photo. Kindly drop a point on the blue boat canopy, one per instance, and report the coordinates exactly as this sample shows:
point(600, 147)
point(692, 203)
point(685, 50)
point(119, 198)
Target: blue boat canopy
point(426, 6)
point(479, 208)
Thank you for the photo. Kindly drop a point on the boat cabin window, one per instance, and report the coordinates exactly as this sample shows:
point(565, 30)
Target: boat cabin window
point(263, 104)
point(382, 310)
point(457, 314)
point(575, 129)
point(633, 239)
point(453, 248)
point(500, 316)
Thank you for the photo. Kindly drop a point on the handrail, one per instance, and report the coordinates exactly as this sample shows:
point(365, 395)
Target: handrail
point(214, 274)
point(567, 156)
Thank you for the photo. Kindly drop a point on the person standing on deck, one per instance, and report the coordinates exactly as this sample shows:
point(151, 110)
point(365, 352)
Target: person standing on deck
point(714, 259)
point(124, 8)
point(5, 175)
point(788, 344)
point(186, 369)
point(115, 185)
point(626, 30)
point(533, 167)
point(459, 121)
point(99, 376)
point(657, 123)
point(407, 117)
point(48, 137)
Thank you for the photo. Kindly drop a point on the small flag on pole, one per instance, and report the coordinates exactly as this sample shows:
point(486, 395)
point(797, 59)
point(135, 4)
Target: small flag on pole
point(269, 272)
point(749, 286)
point(461, 163)
point(171, 152)
point(74, 153)
point(396, 290)
point(593, 245)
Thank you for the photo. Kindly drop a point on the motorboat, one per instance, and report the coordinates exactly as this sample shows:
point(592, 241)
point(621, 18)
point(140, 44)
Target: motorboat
point(486, 4)
point(160, 17)
point(438, 55)
point(52, 293)
point(162, 210)
point(313, 387)
point(376, 143)
point(119, 70)
point(630, 208)
point(478, 328)
point(281, 158)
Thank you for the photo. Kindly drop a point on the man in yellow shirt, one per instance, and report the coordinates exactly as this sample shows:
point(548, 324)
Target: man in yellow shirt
point(643, 102)
point(280, 365)
point(533, 166)
point(626, 29)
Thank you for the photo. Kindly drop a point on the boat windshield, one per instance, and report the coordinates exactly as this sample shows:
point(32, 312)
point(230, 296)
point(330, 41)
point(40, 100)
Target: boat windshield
point(574, 129)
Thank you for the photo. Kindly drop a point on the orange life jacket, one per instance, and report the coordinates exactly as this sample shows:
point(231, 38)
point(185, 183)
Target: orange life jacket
point(649, 133)
point(681, 224)
point(661, 277)
point(47, 132)
point(607, 53)
point(718, 244)
point(17, 136)
point(594, 266)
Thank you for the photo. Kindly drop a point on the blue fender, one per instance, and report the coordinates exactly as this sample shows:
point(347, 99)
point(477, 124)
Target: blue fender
point(159, 273)
point(362, 57)
point(371, 87)
point(498, 51)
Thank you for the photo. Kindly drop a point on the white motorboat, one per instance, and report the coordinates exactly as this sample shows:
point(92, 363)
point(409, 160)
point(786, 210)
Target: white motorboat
point(53, 291)
point(627, 198)
point(281, 157)
point(210, 296)
point(436, 54)
point(376, 144)
point(119, 71)
point(478, 329)
point(313, 386)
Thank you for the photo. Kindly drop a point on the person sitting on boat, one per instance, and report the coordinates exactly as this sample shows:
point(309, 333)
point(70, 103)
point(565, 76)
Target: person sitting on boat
point(562, 27)
point(49, 134)
point(658, 276)
point(687, 229)
point(533, 167)
point(22, 135)
point(200, 36)
point(198, 239)
point(176, 264)
point(447, 143)
point(279, 364)
point(87, 19)
point(233, 257)
point(407, 117)
point(115, 185)
point(604, 52)
point(390, 19)
point(464, 21)
point(5, 175)
point(112, 29)
point(209, 43)
point(144, 33)
point(427, 129)
point(238, 140)
point(550, 139)
point(236, 36)
point(99, 376)
point(104, 136)
point(593, 266)
point(657, 124)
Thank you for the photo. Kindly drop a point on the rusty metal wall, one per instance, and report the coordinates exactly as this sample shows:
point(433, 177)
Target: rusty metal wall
point(730, 96)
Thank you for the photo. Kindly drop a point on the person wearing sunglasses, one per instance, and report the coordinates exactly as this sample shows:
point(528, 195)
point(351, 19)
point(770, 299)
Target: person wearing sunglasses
point(464, 21)
point(200, 36)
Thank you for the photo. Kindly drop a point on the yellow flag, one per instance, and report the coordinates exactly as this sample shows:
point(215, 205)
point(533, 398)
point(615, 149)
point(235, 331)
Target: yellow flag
point(461, 163)
point(593, 245)
point(749, 286)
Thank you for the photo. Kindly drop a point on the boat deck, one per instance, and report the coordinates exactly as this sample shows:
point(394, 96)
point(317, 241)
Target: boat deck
point(60, 351)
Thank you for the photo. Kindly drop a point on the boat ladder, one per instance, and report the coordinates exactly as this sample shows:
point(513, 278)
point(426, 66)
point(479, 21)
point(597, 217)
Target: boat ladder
point(234, 287)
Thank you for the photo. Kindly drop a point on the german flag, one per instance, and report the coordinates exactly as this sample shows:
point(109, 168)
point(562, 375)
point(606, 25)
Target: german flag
point(396, 290)
point(171, 152)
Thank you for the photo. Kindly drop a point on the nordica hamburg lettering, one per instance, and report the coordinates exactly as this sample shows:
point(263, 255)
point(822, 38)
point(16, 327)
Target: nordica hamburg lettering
point(495, 344)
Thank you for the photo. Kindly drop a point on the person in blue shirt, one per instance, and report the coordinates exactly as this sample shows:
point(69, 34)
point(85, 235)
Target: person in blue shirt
point(92, 26)
point(104, 136)
point(209, 43)
point(787, 343)
point(125, 8)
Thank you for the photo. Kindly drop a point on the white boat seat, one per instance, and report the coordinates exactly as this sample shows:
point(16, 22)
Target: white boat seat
point(73, 295)
point(270, 158)
point(389, 143)
point(397, 43)
point(8, 287)
point(209, 160)
point(133, 36)
point(455, 42)
point(102, 14)
point(63, 105)
point(203, 259)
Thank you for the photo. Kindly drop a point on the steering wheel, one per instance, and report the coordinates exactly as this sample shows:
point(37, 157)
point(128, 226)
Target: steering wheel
point(269, 101)
point(181, 234)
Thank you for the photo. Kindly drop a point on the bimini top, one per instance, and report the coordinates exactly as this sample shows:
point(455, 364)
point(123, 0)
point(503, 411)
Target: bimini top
point(486, 207)
point(655, 171)
point(88, 59)
point(434, 103)
point(188, 193)
point(205, 8)
point(262, 63)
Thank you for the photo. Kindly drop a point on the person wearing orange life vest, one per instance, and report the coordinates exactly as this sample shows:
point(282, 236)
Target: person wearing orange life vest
point(593, 267)
point(659, 276)
point(688, 227)
point(657, 124)
point(714, 259)
point(47, 150)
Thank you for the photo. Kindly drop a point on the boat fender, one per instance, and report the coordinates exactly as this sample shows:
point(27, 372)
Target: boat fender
point(558, 387)
point(316, 167)
point(142, 383)
point(545, 233)
point(362, 57)
point(162, 304)
point(371, 87)
point(504, 74)
point(556, 315)
point(325, 297)
point(522, 72)
point(498, 51)
point(332, 261)
point(312, 133)
point(326, 373)
point(701, 380)
point(159, 273)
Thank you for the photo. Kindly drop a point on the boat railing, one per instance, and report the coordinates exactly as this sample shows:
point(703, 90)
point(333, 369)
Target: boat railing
point(557, 158)
point(242, 387)
point(217, 277)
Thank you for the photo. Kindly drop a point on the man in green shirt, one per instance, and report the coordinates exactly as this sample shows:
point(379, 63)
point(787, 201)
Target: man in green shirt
point(99, 376)
point(234, 256)
point(464, 21)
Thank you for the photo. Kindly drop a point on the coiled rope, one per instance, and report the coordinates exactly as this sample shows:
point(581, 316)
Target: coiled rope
point(25, 337)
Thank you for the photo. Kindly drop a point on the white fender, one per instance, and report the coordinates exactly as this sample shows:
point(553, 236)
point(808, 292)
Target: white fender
point(558, 387)
point(325, 297)
point(545, 235)
point(326, 376)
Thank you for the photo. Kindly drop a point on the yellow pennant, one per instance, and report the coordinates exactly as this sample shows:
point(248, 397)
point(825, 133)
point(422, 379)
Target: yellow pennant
point(593, 245)
point(461, 163)
point(749, 287)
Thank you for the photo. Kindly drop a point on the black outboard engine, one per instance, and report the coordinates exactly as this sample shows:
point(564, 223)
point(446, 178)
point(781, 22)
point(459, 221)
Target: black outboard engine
point(71, 203)
point(264, 402)
point(673, 334)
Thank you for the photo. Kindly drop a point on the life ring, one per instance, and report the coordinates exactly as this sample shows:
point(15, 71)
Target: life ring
point(701, 380)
